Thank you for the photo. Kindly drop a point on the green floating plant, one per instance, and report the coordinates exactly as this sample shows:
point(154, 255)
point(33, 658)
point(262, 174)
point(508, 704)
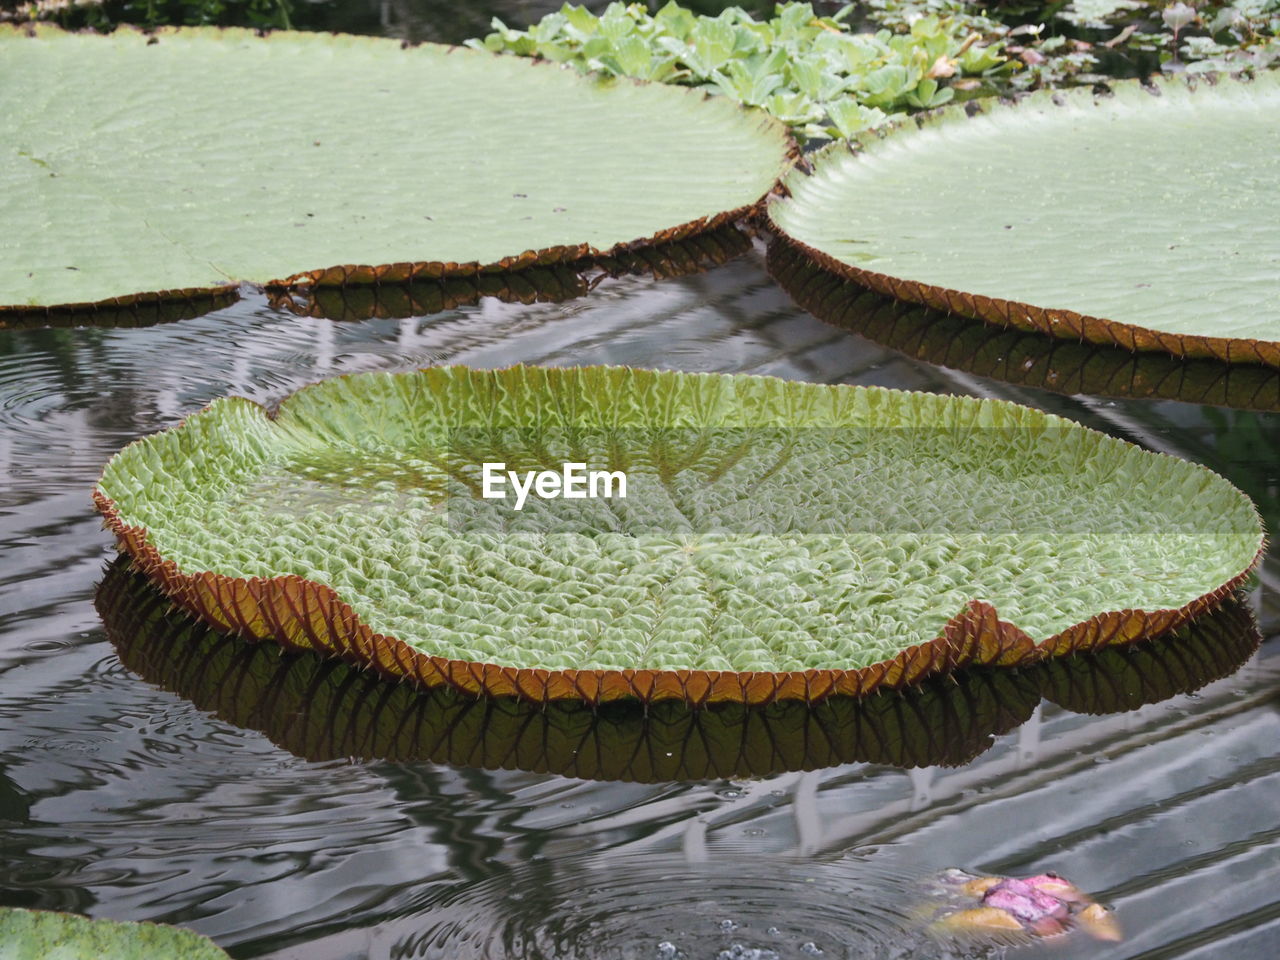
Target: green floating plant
point(47, 935)
point(1145, 218)
point(814, 73)
point(349, 160)
point(775, 541)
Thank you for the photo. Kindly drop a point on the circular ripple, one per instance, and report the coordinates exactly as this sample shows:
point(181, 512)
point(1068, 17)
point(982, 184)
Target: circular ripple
point(630, 907)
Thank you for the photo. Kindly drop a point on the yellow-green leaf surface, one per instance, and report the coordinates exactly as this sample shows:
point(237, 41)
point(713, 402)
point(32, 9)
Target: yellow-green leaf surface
point(768, 526)
point(132, 164)
point(1147, 217)
point(46, 935)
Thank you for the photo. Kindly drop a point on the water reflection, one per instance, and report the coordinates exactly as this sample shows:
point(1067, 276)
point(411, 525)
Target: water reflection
point(1016, 356)
point(323, 709)
point(622, 908)
point(553, 284)
point(122, 800)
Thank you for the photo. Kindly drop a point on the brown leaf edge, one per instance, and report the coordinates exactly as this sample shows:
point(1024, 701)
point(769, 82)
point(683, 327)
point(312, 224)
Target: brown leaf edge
point(1064, 324)
point(134, 310)
point(411, 270)
point(1023, 358)
point(553, 284)
point(300, 614)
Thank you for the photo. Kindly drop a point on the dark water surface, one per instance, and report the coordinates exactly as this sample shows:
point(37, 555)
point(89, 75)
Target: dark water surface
point(289, 810)
point(119, 799)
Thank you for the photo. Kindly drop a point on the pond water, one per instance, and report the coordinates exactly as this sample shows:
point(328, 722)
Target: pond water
point(289, 812)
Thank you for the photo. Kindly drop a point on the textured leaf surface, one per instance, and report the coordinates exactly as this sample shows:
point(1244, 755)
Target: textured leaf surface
point(322, 710)
point(777, 539)
point(1143, 218)
point(200, 158)
point(1021, 357)
point(46, 935)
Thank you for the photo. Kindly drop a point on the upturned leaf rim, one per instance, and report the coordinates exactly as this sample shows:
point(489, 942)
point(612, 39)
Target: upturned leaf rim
point(1056, 322)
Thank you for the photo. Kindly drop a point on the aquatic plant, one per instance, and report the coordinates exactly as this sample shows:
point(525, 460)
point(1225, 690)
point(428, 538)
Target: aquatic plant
point(814, 73)
point(45, 934)
point(828, 77)
point(1144, 218)
point(777, 540)
point(303, 189)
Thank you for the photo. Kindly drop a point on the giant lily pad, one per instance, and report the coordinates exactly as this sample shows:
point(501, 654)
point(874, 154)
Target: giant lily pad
point(776, 540)
point(1145, 218)
point(196, 158)
point(48, 935)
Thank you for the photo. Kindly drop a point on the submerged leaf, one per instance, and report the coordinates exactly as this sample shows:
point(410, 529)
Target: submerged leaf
point(776, 540)
point(1145, 219)
point(345, 159)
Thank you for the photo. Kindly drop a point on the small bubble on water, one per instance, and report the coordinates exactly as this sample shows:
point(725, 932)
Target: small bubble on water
point(811, 948)
point(728, 926)
point(729, 794)
point(774, 932)
point(738, 952)
point(667, 951)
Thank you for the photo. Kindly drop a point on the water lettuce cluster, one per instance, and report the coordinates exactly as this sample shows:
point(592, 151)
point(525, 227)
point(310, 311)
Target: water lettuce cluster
point(814, 73)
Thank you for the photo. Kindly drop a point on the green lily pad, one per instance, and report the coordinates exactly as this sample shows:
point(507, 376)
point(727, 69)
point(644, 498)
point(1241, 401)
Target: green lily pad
point(197, 158)
point(1020, 357)
point(47, 935)
point(1145, 218)
point(777, 540)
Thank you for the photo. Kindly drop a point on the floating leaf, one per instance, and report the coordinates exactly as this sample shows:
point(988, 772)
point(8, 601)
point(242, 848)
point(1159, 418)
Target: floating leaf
point(47, 935)
point(777, 540)
point(319, 159)
point(1017, 356)
point(325, 710)
point(1145, 219)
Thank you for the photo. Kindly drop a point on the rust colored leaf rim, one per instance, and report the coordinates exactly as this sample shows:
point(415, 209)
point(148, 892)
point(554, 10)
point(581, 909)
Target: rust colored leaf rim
point(1023, 358)
point(576, 278)
point(300, 614)
point(365, 274)
point(1064, 324)
point(62, 314)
